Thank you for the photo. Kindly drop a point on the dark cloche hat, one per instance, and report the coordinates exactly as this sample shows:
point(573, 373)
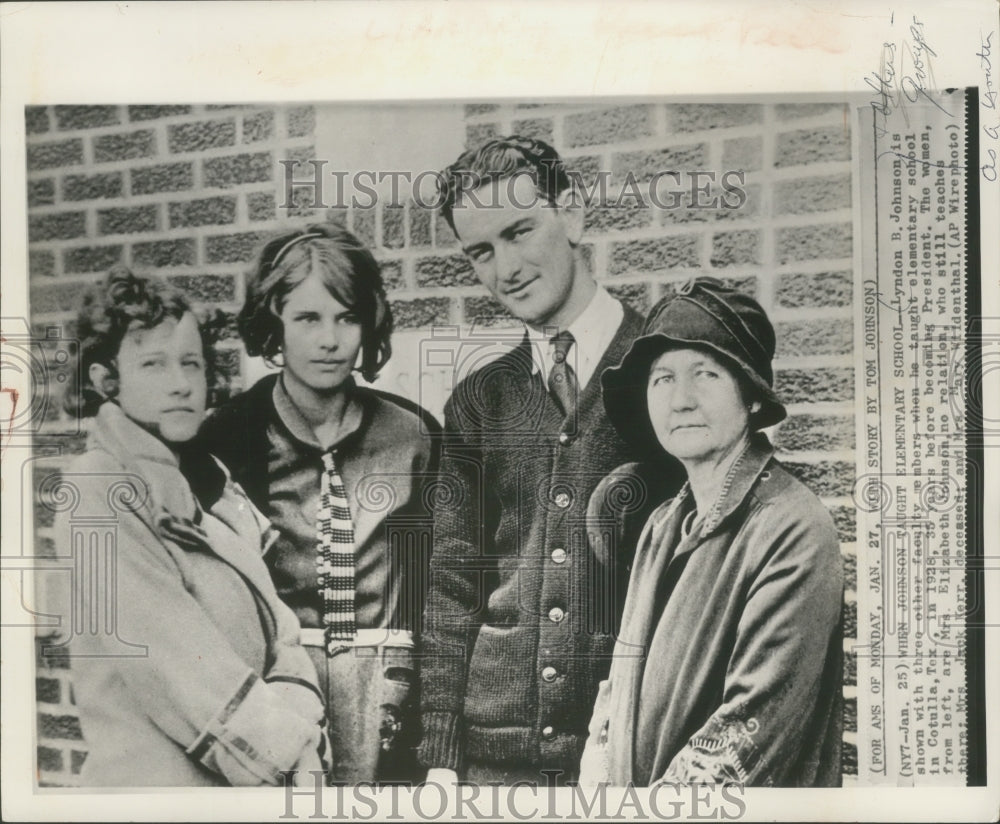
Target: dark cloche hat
point(703, 313)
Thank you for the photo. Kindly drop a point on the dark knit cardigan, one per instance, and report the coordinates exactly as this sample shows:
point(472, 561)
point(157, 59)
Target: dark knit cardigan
point(520, 618)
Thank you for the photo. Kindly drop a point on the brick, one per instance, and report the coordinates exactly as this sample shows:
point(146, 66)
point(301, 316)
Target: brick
point(91, 258)
point(486, 311)
point(261, 206)
point(418, 312)
point(812, 146)
point(393, 227)
point(127, 220)
point(621, 123)
point(825, 478)
point(743, 153)
point(223, 172)
point(136, 113)
point(850, 668)
point(36, 119)
point(50, 759)
point(812, 194)
point(59, 726)
point(450, 270)
point(850, 572)
point(792, 111)
point(696, 117)
point(41, 192)
point(301, 121)
point(207, 211)
point(48, 690)
point(845, 519)
point(674, 206)
point(815, 337)
point(56, 226)
point(729, 206)
point(164, 177)
point(809, 432)
point(735, 248)
point(157, 254)
point(850, 715)
point(85, 117)
point(51, 658)
point(635, 295)
point(236, 248)
point(41, 263)
point(815, 385)
point(257, 127)
point(201, 135)
point(206, 288)
point(850, 619)
point(77, 759)
point(421, 221)
point(589, 172)
point(829, 240)
point(539, 128)
point(826, 289)
point(392, 274)
point(364, 225)
point(124, 146)
point(654, 255)
point(444, 237)
point(477, 133)
point(629, 215)
point(474, 109)
point(55, 153)
point(645, 164)
point(303, 168)
point(92, 187)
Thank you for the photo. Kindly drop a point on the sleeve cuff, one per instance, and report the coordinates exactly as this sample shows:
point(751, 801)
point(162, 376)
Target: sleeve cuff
point(442, 742)
point(254, 737)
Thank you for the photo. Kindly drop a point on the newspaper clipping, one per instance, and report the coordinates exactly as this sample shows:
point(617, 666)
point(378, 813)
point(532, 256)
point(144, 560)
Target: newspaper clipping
point(450, 440)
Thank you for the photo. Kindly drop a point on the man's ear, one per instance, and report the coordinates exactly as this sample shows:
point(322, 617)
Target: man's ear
point(103, 380)
point(572, 212)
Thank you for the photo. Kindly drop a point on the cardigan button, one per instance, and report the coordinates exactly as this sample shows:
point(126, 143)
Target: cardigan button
point(559, 555)
point(556, 615)
point(565, 439)
point(562, 500)
point(549, 674)
point(548, 733)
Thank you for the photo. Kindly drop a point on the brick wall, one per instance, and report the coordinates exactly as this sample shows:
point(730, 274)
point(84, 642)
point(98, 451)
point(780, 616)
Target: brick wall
point(190, 191)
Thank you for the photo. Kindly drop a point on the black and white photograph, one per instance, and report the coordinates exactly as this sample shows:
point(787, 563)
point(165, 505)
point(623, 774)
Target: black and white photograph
point(616, 452)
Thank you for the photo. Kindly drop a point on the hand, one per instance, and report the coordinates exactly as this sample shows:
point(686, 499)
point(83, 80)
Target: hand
point(439, 775)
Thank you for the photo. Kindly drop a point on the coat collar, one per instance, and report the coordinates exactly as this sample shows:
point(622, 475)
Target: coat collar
point(740, 480)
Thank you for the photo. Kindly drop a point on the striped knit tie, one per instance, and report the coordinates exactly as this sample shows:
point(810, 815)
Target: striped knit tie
point(335, 558)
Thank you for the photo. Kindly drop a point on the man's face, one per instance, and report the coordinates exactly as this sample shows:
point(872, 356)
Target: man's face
point(522, 249)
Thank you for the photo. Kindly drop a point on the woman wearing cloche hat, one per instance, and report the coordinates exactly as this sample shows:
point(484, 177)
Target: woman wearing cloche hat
point(728, 663)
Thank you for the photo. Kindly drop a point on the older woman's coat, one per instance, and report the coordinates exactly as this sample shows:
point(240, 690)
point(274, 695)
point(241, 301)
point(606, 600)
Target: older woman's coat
point(728, 664)
point(203, 681)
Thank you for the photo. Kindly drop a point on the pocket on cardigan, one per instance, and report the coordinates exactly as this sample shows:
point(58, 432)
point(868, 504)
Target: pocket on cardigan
point(501, 677)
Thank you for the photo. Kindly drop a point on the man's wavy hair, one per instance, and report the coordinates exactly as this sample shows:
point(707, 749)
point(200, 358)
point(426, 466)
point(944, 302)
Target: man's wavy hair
point(350, 274)
point(497, 159)
point(108, 312)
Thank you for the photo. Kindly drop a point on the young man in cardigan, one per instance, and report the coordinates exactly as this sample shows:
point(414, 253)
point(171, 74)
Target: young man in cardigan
point(521, 615)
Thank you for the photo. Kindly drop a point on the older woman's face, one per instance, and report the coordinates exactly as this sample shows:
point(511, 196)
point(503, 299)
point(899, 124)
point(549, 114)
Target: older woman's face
point(161, 374)
point(695, 405)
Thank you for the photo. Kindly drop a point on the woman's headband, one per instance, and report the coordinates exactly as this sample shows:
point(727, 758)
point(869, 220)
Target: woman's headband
point(284, 249)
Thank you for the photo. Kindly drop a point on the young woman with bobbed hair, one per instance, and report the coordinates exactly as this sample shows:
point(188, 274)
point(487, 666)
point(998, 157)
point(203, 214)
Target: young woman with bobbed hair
point(340, 469)
point(203, 680)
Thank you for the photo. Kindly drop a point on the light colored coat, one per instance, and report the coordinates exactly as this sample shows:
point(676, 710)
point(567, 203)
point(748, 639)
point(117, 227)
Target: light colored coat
point(203, 682)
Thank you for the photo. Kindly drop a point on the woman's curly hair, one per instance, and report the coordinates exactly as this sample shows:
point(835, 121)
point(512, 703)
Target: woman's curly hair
point(124, 302)
point(350, 274)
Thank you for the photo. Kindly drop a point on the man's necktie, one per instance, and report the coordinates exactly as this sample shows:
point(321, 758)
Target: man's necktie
point(335, 557)
point(562, 379)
